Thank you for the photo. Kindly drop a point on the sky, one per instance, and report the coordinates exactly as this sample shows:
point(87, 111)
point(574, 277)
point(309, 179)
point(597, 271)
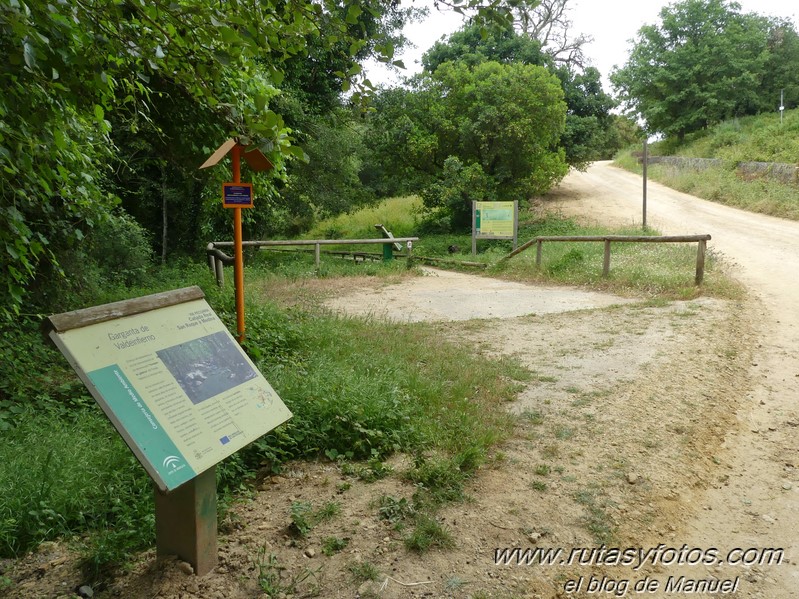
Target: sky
point(611, 23)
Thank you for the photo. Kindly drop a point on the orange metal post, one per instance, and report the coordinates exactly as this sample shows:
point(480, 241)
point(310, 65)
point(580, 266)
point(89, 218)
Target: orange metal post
point(238, 264)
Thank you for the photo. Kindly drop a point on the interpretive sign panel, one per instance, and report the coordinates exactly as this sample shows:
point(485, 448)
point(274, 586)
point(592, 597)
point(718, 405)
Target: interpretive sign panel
point(237, 195)
point(494, 220)
point(175, 383)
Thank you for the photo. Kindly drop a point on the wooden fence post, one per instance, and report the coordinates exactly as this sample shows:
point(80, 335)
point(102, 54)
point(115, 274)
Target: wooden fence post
point(539, 249)
point(700, 261)
point(606, 260)
point(317, 254)
point(219, 270)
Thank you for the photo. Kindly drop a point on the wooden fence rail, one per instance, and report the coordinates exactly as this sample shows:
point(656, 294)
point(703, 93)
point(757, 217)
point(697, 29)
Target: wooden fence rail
point(217, 258)
point(608, 239)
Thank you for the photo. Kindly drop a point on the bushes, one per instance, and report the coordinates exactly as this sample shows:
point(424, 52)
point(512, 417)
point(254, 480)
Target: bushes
point(450, 198)
point(116, 252)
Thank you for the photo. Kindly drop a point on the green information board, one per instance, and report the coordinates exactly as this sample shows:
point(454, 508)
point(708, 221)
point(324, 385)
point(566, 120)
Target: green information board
point(176, 385)
point(494, 220)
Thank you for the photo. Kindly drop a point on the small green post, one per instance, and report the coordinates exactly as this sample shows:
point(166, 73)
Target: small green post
point(388, 253)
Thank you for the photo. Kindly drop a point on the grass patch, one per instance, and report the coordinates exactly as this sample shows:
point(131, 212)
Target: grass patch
point(370, 472)
point(363, 571)
point(304, 517)
point(65, 474)
point(761, 138)
point(725, 186)
point(332, 545)
point(397, 214)
point(274, 580)
point(648, 270)
point(359, 391)
point(596, 518)
point(394, 510)
point(354, 400)
point(427, 534)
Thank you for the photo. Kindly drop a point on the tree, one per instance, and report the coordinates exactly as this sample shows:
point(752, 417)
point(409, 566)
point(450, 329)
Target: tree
point(703, 63)
point(403, 154)
point(781, 75)
point(80, 76)
point(547, 21)
point(501, 122)
point(588, 120)
point(473, 44)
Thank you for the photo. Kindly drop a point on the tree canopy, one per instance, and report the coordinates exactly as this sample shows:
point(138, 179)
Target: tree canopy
point(706, 61)
point(491, 130)
point(102, 100)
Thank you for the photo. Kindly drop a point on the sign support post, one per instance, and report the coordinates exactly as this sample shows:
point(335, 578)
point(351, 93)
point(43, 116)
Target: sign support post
point(238, 255)
point(238, 195)
point(645, 163)
point(185, 522)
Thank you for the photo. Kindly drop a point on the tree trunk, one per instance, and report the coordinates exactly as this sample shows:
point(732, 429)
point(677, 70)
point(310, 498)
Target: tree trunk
point(163, 216)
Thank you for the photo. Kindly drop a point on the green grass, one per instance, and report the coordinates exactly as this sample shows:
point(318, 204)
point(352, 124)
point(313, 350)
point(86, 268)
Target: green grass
point(274, 580)
point(636, 269)
point(648, 270)
point(358, 391)
point(759, 138)
point(427, 534)
point(332, 545)
point(304, 517)
point(398, 215)
point(363, 571)
point(63, 474)
point(596, 518)
point(725, 186)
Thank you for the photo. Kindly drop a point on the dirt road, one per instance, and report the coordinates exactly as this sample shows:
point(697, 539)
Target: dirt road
point(759, 504)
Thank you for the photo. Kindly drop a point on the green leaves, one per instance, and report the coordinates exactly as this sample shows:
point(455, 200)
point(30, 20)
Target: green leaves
point(703, 63)
point(353, 12)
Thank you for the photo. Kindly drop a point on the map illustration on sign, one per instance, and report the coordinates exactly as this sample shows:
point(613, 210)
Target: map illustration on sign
point(176, 385)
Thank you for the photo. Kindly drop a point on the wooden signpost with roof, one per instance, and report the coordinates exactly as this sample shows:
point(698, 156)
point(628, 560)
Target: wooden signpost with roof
point(238, 195)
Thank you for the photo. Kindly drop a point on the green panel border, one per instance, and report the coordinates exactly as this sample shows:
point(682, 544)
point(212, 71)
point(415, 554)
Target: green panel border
point(153, 444)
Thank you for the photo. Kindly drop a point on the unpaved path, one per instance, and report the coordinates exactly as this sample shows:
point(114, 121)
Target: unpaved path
point(758, 506)
point(451, 296)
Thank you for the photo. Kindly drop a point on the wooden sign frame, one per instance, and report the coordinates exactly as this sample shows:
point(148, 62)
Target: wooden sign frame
point(182, 394)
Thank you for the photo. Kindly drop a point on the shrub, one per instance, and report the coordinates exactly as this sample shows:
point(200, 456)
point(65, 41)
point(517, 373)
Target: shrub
point(450, 197)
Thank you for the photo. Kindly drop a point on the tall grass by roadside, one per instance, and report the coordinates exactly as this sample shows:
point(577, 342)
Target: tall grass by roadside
point(648, 270)
point(637, 269)
point(63, 474)
point(761, 138)
point(725, 186)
